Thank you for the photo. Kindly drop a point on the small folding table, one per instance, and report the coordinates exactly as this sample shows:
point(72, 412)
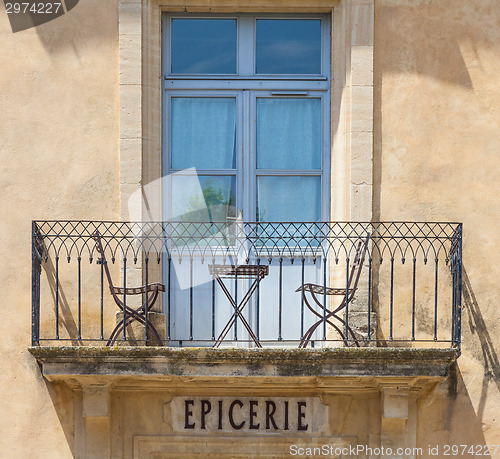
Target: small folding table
point(255, 272)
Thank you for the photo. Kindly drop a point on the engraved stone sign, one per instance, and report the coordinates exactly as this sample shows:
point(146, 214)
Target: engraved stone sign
point(258, 415)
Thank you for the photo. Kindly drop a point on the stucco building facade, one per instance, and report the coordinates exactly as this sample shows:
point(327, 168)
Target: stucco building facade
point(403, 127)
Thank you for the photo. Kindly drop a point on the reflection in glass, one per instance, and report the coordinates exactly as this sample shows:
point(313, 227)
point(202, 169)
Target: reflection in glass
point(203, 133)
point(288, 199)
point(203, 45)
point(286, 46)
point(203, 198)
point(289, 133)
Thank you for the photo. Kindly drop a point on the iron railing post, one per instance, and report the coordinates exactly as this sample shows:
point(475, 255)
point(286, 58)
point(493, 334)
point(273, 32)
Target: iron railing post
point(35, 286)
point(458, 330)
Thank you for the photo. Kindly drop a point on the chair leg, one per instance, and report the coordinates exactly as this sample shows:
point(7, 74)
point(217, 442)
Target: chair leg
point(135, 315)
point(114, 336)
point(308, 334)
point(132, 313)
point(349, 329)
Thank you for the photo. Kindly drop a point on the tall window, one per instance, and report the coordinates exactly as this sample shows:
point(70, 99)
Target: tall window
point(246, 133)
point(246, 103)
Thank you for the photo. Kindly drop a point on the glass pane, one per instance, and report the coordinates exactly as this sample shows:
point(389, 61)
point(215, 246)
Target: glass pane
point(288, 199)
point(289, 133)
point(289, 46)
point(203, 133)
point(203, 45)
point(203, 198)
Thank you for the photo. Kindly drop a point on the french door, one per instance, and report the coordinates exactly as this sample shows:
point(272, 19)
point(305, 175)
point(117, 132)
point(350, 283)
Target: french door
point(243, 155)
point(246, 137)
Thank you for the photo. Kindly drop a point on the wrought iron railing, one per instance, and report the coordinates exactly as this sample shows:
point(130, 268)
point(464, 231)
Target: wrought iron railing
point(239, 284)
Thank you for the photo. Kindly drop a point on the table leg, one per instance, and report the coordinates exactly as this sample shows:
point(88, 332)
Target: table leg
point(238, 312)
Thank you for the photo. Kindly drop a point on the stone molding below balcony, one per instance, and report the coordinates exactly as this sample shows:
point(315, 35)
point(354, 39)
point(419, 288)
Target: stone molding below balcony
point(338, 369)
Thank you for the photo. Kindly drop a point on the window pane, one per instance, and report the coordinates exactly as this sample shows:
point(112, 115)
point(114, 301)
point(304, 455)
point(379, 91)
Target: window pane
point(203, 133)
point(203, 45)
point(288, 199)
point(203, 198)
point(289, 46)
point(289, 133)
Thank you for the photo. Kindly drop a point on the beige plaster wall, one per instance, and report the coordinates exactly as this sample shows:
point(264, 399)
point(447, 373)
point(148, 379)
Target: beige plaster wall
point(436, 142)
point(59, 160)
point(436, 157)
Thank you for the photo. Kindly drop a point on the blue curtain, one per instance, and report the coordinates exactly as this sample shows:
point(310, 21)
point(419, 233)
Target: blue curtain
point(288, 199)
point(288, 133)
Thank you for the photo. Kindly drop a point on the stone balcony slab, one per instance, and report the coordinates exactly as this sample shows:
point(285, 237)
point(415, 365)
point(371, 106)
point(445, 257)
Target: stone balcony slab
point(337, 367)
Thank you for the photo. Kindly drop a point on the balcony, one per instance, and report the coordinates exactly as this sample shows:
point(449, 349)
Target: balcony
point(259, 295)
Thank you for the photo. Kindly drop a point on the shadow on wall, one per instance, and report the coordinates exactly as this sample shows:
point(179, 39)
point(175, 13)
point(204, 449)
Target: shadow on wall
point(477, 326)
point(67, 322)
point(431, 38)
point(83, 25)
point(68, 407)
point(447, 417)
point(435, 40)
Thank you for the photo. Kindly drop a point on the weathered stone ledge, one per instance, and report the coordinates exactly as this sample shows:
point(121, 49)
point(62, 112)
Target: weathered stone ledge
point(162, 362)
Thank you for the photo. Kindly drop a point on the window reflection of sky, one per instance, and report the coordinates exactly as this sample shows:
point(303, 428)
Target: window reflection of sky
point(204, 46)
point(288, 46)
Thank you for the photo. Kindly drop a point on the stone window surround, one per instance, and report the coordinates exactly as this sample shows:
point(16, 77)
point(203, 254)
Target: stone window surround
point(351, 93)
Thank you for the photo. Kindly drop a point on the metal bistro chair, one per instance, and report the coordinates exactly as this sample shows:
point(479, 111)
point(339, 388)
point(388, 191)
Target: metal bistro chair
point(131, 314)
point(315, 289)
